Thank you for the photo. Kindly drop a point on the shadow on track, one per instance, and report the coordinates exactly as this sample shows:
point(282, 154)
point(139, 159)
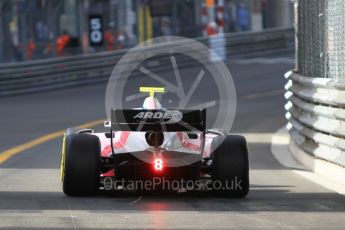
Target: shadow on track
point(260, 199)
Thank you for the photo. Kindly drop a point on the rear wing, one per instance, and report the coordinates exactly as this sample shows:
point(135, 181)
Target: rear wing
point(158, 120)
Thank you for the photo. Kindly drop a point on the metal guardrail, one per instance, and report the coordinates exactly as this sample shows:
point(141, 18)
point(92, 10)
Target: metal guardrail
point(316, 115)
point(41, 75)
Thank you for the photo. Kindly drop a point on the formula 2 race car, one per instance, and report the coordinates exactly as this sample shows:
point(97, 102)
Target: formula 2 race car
point(154, 142)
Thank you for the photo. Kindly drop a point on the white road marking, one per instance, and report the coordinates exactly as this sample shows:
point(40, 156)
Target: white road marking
point(202, 106)
point(287, 60)
point(267, 61)
point(135, 97)
point(282, 153)
point(262, 138)
point(184, 101)
point(72, 218)
point(171, 87)
point(265, 94)
point(180, 93)
point(280, 150)
point(133, 202)
point(248, 61)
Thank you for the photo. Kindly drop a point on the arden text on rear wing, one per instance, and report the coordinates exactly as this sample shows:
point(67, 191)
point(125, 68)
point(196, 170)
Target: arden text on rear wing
point(158, 120)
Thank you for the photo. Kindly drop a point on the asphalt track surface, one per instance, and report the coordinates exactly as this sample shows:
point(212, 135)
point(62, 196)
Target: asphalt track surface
point(30, 190)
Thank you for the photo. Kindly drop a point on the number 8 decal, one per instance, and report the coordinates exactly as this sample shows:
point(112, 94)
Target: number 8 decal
point(158, 164)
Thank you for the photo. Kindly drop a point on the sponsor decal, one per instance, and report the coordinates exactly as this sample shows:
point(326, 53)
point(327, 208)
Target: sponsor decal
point(169, 116)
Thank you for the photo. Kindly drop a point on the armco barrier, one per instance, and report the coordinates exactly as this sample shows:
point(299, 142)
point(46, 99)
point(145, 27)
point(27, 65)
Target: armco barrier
point(41, 75)
point(316, 115)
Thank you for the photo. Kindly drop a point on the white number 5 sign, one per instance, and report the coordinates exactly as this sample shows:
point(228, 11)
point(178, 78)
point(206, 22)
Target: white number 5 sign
point(95, 30)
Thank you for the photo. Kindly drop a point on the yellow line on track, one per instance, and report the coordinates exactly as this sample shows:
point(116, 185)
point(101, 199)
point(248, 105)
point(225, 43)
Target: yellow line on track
point(20, 148)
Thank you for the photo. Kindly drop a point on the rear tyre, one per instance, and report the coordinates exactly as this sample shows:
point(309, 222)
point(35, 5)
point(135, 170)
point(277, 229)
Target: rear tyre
point(80, 165)
point(230, 171)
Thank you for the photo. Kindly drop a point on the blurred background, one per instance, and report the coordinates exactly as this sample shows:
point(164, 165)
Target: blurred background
point(40, 29)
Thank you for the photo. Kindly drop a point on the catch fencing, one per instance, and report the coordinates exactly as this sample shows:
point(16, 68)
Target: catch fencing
point(315, 89)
